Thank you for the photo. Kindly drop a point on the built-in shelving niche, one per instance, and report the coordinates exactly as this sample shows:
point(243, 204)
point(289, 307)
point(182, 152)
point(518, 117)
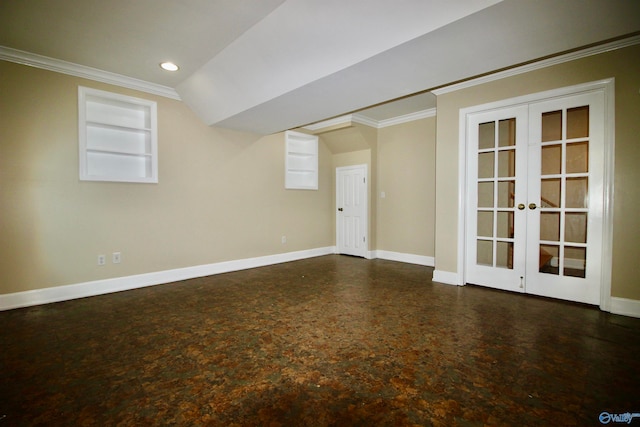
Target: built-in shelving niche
point(301, 161)
point(117, 137)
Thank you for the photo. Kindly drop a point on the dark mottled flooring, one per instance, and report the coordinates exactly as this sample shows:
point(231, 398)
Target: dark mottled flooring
point(332, 340)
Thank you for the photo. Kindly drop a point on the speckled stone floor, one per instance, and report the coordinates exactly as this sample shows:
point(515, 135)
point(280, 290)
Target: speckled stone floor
point(332, 340)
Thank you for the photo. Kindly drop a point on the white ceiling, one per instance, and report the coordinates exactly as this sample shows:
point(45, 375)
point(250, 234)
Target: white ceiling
point(270, 65)
point(130, 37)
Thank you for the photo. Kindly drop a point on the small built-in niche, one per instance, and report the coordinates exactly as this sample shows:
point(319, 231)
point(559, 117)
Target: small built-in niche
point(301, 161)
point(117, 137)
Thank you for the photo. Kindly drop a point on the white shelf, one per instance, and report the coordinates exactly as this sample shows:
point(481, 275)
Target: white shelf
point(118, 137)
point(119, 153)
point(115, 126)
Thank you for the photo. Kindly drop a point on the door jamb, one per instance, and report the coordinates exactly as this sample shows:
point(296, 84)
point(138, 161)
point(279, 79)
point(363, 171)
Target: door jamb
point(607, 87)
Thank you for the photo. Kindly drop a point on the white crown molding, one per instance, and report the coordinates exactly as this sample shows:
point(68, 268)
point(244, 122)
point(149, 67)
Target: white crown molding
point(329, 123)
point(64, 67)
point(607, 47)
point(418, 115)
point(363, 120)
point(378, 124)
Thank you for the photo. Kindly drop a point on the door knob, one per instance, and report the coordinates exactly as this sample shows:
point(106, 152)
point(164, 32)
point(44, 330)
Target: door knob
point(521, 206)
point(340, 209)
point(532, 206)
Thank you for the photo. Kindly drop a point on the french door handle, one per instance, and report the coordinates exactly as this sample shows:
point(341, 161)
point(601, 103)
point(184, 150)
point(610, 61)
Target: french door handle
point(521, 206)
point(340, 209)
point(532, 206)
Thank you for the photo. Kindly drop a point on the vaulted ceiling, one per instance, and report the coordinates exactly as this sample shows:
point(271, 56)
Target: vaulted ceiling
point(269, 65)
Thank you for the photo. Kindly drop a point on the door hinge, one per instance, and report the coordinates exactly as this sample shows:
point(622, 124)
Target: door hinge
point(364, 239)
point(364, 180)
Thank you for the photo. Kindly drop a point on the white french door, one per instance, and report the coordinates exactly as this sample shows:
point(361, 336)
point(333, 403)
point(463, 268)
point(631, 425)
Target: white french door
point(497, 177)
point(351, 205)
point(535, 197)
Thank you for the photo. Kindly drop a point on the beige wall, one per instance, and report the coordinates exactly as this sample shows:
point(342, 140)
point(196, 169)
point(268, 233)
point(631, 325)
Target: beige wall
point(356, 145)
point(624, 65)
point(401, 162)
point(220, 194)
point(406, 173)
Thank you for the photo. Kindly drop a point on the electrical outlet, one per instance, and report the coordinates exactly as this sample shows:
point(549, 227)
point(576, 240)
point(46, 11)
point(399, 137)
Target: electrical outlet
point(102, 260)
point(284, 239)
point(116, 257)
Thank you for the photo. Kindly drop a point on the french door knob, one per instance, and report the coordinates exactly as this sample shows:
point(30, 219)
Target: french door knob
point(532, 206)
point(340, 209)
point(521, 206)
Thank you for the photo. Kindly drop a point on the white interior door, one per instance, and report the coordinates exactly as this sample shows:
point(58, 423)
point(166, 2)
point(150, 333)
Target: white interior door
point(535, 198)
point(351, 205)
point(497, 177)
point(566, 199)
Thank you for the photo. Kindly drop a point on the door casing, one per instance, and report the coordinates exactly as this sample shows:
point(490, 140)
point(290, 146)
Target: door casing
point(605, 86)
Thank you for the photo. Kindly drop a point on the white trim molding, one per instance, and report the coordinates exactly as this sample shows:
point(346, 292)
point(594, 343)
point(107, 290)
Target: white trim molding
point(572, 56)
point(427, 261)
point(336, 121)
point(69, 68)
point(359, 118)
point(406, 118)
point(625, 306)
point(377, 124)
point(446, 277)
point(118, 284)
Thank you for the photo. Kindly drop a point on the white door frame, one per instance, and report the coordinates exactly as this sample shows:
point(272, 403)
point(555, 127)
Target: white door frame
point(607, 87)
point(365, 214)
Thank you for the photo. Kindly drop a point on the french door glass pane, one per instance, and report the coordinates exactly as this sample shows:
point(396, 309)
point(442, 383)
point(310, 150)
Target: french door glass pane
point(507, 133)
point(575, 227)
point(507, 163)
point(575, 260)
point(578, 122)
point(485, 194)
point(485, 224)
point(550, 192)
point(484, 255)
point(578, 157)
point(551, 159)
point(485, 165)
point(506, 193)
point(549, 255)
point(504, 224)
point(550, 226)
point(577, 192)
point(552, 126)
point(504, 254)
point(486, 135)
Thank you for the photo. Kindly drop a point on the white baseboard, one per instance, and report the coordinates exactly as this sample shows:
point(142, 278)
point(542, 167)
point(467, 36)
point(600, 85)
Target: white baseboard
point(117, 284)
point(402, 257)
point(625, 307)
point(446, 277)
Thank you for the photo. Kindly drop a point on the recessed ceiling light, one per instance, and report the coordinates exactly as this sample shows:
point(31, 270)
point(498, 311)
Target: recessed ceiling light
point(169, 66)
